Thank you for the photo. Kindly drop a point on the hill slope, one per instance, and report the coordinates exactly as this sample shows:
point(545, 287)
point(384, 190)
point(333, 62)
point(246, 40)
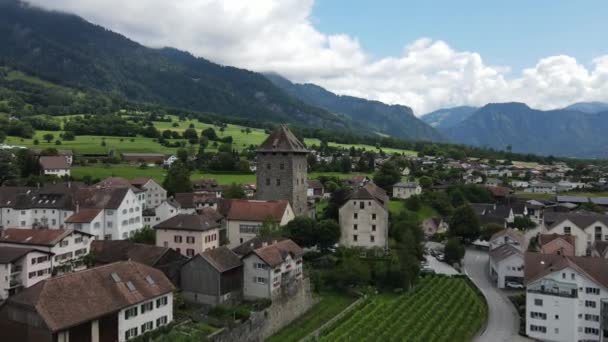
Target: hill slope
point(448, 117)
point(68, 50)
point(395, 120)
point(556, 132)
point(588, 107)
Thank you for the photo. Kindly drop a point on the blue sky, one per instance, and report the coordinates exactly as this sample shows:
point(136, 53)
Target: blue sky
point(513, 33)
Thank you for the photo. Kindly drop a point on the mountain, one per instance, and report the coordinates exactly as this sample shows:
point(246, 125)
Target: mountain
point(448, 117)
point(588, 107)
point(67, 50)
point(395, 120)
point(561, 132)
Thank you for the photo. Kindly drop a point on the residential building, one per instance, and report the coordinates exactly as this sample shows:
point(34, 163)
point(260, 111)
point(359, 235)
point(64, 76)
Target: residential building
point(154, 193)
point(188, 234)
point(164, 211)
point(21, 268)
point(148, 158)
point(557, 244)
point(191, 202)
point(519, 184)
point(506, 265)
point(315, 189)
point(207, 187)
point(585, 227)
point(273, 270)
point(169, 161)
point(364, 218)
point(509, 236)
point(165, 259)
point(213, 277)
point(434, 225)
point(282, 170)
point(22, 207)
point(244, 218)
point(542, 188)
point(405, 190)
point(67, 246)
point(493, 182)
point(114, 302)
point(565, 297)
point(55, 166)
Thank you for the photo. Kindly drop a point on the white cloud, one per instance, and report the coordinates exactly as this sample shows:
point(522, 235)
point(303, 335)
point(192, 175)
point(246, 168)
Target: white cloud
point(278, 35)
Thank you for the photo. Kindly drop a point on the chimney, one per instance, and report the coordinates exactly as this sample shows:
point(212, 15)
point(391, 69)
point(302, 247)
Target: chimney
point(77, 207)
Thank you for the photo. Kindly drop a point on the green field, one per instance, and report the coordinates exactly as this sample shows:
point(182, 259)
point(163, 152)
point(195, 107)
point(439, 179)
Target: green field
point(426, 211)
point(329, 306)
point(438, 309)
point(190, 332)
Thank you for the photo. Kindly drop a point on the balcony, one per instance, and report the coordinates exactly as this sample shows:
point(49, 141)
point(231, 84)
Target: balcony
point(16, 270)
point(554, 288)
point(15, 283)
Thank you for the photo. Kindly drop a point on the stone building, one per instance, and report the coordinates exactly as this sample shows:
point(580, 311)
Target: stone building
point(282, 170)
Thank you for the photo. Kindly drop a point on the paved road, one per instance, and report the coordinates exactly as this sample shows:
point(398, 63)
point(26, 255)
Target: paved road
point(503, 320)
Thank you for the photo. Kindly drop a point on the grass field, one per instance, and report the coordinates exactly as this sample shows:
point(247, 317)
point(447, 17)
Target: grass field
point(438, 309)
point(396, 206)
point(190, 332)
point(330, 305)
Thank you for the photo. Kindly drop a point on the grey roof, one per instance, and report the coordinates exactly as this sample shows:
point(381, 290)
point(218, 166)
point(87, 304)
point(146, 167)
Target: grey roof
point(582, 219)
point(188, 222)
point(504, 251)
point(282, 140)
point(599, 200)
point(513, 234)
point(572, 199)
point(10, 254)
point(406, 185)
point(255, 243)
point(222, 259)
point(371, 191)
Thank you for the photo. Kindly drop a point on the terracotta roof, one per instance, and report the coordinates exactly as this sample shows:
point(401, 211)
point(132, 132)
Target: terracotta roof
point(117, 182)
point(222, 259)
point(539, 265)
point(504, 251)
point(101, 198)
point(499, 191)
point(212, 214)
point(74, 298)
point(257, 211)
point(582, 219)
point(188, 222)
point(282, 140)
point(11, 254)
point(544, 239)
point(36, 237)
point(315, 184)
point(107, 251)
point(140, 181)
point(54, 162)
point(276, 253)
point(371, 191)
point(84, 215)
point(255, 243)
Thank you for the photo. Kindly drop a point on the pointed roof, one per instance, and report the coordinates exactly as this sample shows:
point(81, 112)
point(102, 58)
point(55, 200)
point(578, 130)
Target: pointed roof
point(282, 140)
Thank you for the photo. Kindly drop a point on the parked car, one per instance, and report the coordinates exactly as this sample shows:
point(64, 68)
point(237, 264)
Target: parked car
point(440, 257)
point(427, 270)
point(514, 285)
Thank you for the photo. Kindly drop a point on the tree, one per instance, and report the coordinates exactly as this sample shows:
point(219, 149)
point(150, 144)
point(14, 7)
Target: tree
point(190, 134)
point(426, 182)
point(490, 229)
point(387, 175)
point(68, 136)
point(337, 199)
point(48, 137)
point(301, 230)
point(234, 191)
point(524, 223)
point(464, 223)
point(345, 164)
point(8, 165)
point(454, 251)
point(178, 178)
point(413, 203)
point(146, 235)
point(457, 198)
point(182, 155)
point(327, 234)
point(269, 228)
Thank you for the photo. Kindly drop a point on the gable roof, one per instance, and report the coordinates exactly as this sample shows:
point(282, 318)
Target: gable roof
point(276, 253)
point(221, 258)
point(117, 182)
point(581, 219)
point(36, 237)
point(193, 222)
point(410, 185)
point(282, 140)
point(73, 298)
point(544, 239)
point(504, 251)
point(539, 265)
point(371, 191)
point(210, 185)
point(314, 184)
point(101, 198)
point(108, 251)
point(255, 243)
point(499, 191)
point(85, 215)
point(140, 181)
point(256, 211)
point(54, 162)
point(10, 254)
point(513, 234)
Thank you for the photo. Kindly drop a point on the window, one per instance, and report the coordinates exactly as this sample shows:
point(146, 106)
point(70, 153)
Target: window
point(124, 211)
point(373, 216)
point(355, 238)
point(248, 229)
point(538, 328)
point(132, 312)
point(107, 237)
point(355, 227)
point(590, 304)
point(355, 216)
point(190, 239)
point(110, 212)
point(31, 275)
point(567, 230)
point(259, 280)
point(259, 265)
point(109, 224)
point(148, 306)
point(34, 260)
point(538, 315)
point(165, 244)
point(278, 182)
point(592, 331)
point(373, 227)
point(177, 239)
point(190, 252)
point(78, 239)
point(268, 166)
point(268, 181)
point(592, 290)
point(282, 166)
point(161, 302)
point(130, 333)
point(361, 205)
point(161, 321)
point(372, 238)
point(538, 302)
point(593, 318)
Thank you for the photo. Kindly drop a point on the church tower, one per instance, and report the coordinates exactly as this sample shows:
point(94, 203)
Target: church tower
point(282, 169)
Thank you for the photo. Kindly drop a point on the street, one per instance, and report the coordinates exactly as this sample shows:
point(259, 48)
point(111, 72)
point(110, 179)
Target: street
point(503, 320)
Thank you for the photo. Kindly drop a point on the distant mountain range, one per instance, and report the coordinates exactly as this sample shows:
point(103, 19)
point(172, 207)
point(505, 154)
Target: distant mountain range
point(448, 117)
point(567, 132)
point(395, 120)
point(588, 107)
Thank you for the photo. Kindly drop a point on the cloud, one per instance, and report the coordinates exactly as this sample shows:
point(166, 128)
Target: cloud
point(278, 35)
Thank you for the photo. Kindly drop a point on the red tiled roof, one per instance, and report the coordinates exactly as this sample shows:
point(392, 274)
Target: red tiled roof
point(85, 215)
point(499, 191)
point(276, 253)
point(539, 265)
point(258, 211)
point(54, 162)
point(544, 239)
point(188, 222)
point(39, 237)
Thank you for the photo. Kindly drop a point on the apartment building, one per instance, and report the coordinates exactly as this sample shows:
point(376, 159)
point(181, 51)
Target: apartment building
point(188, 234)
point(21, 268)
point(585, 227)
point(364, 218)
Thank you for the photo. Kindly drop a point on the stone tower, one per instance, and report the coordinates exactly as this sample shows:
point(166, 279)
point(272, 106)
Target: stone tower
point(282, 169)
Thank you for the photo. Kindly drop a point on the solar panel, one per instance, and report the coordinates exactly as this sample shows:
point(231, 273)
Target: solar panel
point(115, 277)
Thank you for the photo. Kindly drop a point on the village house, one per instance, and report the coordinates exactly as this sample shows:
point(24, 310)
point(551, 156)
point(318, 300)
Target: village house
point(364, 218)
point(55, 166)
point(405, 190)
point(147, 158)
point(506, 265)
point(68, 246)
point(557, 244)
point(114, 302)
point(21, 268)
point(273, 270)
point(542, 188)
point(493, 182)
point(564, 297)
point(434, 225)
point(192, 202)
point(153, 192)
point(508, 236)
point(22, 207)
point(188, 234)
point(213, 277)
point(164, 211)
point(244, 218)
point(207, 187)
point(316, 189)
point(585, 227)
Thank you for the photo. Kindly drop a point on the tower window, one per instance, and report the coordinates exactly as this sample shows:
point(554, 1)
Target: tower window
point(278, 182)
point(268, 166)
point(268, 181)
point(282, 166)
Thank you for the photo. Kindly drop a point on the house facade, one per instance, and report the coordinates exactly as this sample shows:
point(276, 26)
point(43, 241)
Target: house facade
point(405, 190)
point(585, 227)
point(506, 265)
point(188, 234)
point(508, 236)
point(557, 244)
point(364, 218)
point(21, 268)
point(55, 166)
point(153, 192)
point(245, 218)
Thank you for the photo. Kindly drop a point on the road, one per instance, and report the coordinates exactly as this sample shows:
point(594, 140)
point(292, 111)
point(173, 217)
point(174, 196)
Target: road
point(503, 320)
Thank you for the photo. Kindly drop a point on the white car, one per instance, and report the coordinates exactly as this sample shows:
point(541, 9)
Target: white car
point(514, 285)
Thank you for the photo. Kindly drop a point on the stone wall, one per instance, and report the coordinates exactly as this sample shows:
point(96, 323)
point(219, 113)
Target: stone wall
point(290, 169)
point(269, 321)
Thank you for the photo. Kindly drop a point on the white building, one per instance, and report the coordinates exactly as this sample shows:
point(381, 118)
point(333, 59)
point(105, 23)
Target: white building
point(506, 265)
point(542, 188)
point(586, 227)
point(405, 190)
point(154, 193)
point(272, 270)
point(245, 218)
point(22, 207)
point(364, 218)
point(565, 297)
point(114, 302)
point(519, 184)
point(509, 236)
point(21, 268)
point(189, 234)
point(55, 166)
point(164, 211)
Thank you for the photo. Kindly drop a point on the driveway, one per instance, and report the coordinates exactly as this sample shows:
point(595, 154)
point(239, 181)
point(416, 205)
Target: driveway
point(503, 319)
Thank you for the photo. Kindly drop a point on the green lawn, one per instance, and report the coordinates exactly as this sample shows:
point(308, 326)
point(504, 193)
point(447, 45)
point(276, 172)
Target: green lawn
point(329, 306)
point(191, 332)
point(438, 309)
point(426, 211)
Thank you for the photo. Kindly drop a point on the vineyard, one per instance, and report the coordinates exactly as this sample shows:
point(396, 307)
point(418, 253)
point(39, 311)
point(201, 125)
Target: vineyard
point(438, 309)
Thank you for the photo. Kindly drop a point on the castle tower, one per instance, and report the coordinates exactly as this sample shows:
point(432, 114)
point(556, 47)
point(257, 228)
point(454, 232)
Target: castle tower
point(282, 169)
